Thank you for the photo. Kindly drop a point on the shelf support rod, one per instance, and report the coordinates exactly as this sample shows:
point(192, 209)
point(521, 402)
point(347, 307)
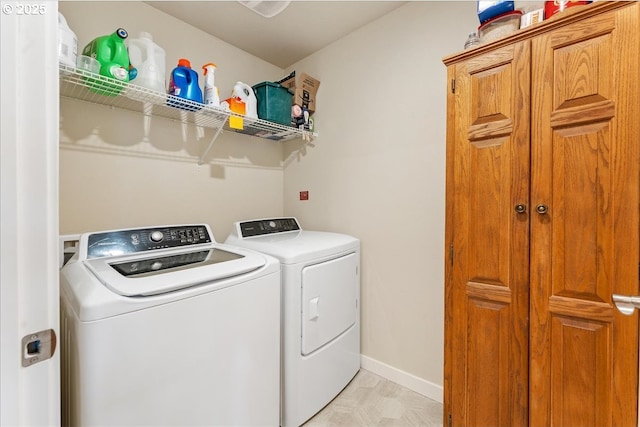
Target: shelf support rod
point(215, 136)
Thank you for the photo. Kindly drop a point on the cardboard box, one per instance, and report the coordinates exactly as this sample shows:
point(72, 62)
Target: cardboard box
point(532, 17)
point(305, 88)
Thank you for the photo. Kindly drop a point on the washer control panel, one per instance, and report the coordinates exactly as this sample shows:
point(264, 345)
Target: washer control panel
point(261, 227)
point(122, 242)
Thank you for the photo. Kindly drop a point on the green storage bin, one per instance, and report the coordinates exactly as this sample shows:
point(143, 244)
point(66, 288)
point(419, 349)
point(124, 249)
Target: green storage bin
point(274, 102)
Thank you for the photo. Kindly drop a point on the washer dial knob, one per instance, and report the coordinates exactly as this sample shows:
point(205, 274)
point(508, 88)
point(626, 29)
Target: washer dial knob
point(156, 236)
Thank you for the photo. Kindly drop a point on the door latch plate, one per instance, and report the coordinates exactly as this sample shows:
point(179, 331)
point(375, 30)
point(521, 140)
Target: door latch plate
point(38, 347)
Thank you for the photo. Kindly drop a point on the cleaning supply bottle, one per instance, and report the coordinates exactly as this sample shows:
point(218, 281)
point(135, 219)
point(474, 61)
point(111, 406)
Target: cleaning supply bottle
point(112, 54)
point(235, 105)
point(67, 43)
point(183, 83)
point(211, 94)
point(149, 59)
point(245, 93)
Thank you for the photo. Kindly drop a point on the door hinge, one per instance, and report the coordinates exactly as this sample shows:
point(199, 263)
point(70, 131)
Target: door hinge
point(451, 254)
point(453, 85)
point(450, 422)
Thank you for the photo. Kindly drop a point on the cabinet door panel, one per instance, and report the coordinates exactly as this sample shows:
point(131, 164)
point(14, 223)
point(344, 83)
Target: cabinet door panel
point(585, 168)
point(487, 300)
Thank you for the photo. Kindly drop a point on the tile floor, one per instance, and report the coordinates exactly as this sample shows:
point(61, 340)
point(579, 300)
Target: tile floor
point(370, 400)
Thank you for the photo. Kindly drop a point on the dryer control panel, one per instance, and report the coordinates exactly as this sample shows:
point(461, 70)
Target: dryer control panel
point(122, 242)
point(261, 227)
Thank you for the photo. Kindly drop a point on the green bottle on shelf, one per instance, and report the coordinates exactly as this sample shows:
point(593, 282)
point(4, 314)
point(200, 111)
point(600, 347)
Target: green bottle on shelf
point(112, 54)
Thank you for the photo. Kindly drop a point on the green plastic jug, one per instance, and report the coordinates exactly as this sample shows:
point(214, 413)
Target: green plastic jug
point(112, 54)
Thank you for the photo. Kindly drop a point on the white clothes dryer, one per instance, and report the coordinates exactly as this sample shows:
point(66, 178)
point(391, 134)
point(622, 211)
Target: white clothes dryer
point(320, 310)
point(164, 326)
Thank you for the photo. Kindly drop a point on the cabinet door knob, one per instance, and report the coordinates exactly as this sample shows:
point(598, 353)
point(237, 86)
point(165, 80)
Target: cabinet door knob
point(520, 208)
point(542, 209)
point(626, 304)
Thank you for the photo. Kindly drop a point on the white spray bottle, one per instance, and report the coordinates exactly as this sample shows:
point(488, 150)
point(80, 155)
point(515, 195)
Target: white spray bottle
point(211, 95)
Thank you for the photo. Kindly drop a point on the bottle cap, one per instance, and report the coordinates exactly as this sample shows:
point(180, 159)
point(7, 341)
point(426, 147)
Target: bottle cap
point(209, 64)
point(184, 63)
point(122, 33)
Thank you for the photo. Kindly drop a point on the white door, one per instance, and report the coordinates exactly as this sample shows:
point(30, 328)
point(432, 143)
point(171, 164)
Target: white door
point(29, 394)
point(329, 301)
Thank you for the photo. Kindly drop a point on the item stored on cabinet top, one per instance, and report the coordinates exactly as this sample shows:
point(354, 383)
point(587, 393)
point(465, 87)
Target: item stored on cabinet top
point(555, 6)
point(211, 94)
point(531, 17)
point(67, 43)
point(500, 26)
point(472, 41)
point(150, 61)
point(112, 54)
point(184, 84)
point(488, 9)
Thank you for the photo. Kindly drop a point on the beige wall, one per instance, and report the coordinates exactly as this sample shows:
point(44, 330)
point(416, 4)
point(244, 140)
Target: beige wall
point(117, 182)
point(376, 171)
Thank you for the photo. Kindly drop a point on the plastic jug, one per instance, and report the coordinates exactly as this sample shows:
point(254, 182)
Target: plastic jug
point(67, 43)
point(183, 83)
point(149, 59)
point(111, 52)
point(246, 94)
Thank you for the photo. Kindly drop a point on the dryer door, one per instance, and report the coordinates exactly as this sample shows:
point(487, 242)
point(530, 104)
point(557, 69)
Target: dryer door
point(329, 300)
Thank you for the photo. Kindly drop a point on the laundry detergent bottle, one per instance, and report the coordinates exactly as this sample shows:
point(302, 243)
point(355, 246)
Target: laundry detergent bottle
point(149, 59)
point(112, 54)
point(183, 83)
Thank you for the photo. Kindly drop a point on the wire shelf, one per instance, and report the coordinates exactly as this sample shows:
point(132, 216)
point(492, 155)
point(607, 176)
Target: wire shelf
point(90, 87)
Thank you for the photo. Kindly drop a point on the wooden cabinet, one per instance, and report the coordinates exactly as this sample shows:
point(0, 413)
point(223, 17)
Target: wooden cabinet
point(543, 224)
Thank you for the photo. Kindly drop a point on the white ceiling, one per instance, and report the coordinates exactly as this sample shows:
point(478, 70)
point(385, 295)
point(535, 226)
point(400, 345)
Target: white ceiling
point(303, 28)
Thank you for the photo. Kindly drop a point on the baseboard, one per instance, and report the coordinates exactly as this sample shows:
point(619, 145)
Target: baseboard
point(405, 379)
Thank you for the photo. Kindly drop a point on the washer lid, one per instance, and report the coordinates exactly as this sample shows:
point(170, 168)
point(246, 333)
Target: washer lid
point(165, 271)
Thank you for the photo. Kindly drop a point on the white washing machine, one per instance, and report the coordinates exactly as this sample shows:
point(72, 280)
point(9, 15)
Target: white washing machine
point(320, 310)
point(164, 326)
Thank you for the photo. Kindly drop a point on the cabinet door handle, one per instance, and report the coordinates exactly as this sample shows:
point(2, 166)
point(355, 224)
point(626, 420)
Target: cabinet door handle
point(626, 304)
point(520, 208)
point(542, 209)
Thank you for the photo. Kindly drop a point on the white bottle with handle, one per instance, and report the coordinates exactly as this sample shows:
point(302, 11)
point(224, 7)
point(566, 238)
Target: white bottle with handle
point(67, 43)
point(150, 61)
